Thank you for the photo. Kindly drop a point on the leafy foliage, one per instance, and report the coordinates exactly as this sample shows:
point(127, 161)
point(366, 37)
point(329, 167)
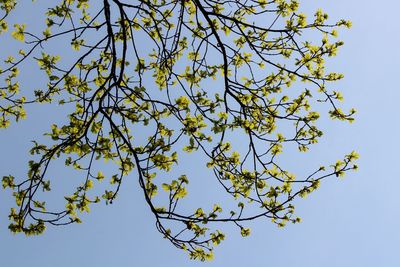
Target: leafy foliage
point(152, 80)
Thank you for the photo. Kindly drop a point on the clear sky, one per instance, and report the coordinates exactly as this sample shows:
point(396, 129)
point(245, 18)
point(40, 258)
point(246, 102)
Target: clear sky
point(347, 222)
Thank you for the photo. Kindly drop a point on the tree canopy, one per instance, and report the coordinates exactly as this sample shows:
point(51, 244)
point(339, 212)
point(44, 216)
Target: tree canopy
point(145, 82)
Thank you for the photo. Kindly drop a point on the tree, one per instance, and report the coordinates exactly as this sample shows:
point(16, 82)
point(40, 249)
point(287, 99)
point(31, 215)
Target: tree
point(145, 82)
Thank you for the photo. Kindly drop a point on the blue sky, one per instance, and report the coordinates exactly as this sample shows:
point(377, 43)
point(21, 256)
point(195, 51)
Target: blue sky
point(347, 222)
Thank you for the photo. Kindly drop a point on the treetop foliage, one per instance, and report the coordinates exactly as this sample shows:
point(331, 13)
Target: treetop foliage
point(149, 81)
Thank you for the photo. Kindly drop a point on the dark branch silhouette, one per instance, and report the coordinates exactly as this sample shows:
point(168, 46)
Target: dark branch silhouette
point(151, 80)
